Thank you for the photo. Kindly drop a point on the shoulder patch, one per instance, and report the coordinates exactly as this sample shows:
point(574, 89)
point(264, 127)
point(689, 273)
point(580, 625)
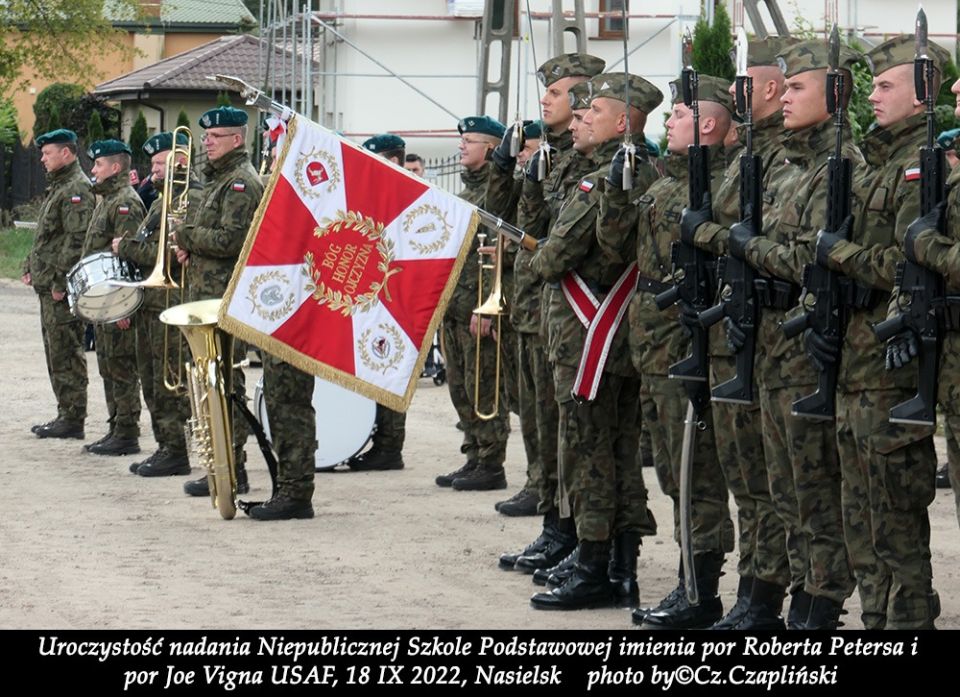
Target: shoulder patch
point(123, 210)
point(75, 199)
point(239, 186)
point(911, 174)
point(586, 185)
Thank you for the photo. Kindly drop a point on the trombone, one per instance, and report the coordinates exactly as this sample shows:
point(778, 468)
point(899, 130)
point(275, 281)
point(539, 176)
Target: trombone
point(492, 306)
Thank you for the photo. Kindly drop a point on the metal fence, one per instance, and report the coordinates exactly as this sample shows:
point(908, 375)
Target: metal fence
point(22, 177)
point(444, 172)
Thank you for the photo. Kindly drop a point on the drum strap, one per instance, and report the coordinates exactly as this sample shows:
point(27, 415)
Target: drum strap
point(265, 448)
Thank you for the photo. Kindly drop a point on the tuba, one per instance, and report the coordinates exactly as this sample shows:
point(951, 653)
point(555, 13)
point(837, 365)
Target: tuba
point(209, 431)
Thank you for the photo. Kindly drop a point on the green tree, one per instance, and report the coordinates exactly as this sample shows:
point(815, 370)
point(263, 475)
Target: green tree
point(95, 128)
point(58, 39)
point(8, 123)
point(62, 98)
point(712, 45)
point(223, 99)
point(138, 136)
point(183, 119)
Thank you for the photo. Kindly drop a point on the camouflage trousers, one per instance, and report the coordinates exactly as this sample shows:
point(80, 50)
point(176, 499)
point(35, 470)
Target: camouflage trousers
point(66, 365)
point(803, 472)
point(762, 540)
point(293, 426)
point(951, 427)
point(168, 411)
point(117, 359)
point(888, 483)
point(539, 419)
point(483, 441)
point(663, 408)
point(391, 429)
point(509, 379)
point(599, 470)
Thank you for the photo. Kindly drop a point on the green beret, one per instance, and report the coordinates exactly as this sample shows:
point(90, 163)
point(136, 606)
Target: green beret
point(533, 130)
point(61, 135)
point(901, 50)
point(163, 141)
point(946, 139)
point(643, 95)
point(709, 89)
point(570, 65)
point(225, 116)
point(384, 143)
point(579, 95)
point(765, 51)
point(104, 148)
point(483, 125)
point(814, 55)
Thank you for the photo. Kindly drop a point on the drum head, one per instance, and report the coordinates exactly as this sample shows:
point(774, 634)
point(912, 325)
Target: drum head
point(345, 421)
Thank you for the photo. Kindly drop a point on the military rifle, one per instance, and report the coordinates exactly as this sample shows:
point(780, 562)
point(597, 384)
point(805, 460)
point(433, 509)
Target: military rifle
point(739, 301)
point(922, 287)
point(829, 315)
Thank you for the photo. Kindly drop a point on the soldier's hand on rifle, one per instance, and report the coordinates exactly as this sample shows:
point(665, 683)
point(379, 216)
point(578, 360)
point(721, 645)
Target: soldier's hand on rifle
point(615, 175)
point(533, 164)
point(901, 349)
point(823, 350)
point(736, 337)
point(689, 318)
point(826, 241)
point(502, 154)
point(692, 218)
point(740, 234)
point(928, 221)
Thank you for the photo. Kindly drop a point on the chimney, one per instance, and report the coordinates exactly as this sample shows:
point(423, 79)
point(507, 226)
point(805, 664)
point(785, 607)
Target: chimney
point(151, 8)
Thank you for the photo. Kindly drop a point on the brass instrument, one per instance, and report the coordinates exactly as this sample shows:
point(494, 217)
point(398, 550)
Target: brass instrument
point(492, 306)
point(209, 431)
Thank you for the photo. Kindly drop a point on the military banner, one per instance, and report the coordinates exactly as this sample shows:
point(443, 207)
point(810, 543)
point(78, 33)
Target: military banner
point(348, 266)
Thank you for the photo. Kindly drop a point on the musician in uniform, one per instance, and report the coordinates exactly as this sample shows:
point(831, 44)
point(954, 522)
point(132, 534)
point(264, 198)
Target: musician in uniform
point(118, 214)
point(160, 348)
point(61, 226)
point(210, 244)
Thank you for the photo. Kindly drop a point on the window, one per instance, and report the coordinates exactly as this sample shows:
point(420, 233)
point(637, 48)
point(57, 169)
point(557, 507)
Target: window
point(612, 27)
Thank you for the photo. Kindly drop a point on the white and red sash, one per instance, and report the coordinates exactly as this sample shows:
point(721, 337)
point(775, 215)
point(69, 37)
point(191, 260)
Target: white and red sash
point(601, 321)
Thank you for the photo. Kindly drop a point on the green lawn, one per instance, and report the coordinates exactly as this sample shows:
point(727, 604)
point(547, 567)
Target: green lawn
point(14, 246)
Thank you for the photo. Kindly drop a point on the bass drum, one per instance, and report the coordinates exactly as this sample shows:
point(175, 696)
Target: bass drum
point(345, 421)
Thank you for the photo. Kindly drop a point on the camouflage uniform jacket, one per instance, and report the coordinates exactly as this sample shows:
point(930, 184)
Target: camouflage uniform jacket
point(464, 298)
point(118, 214)
point(61, 226)
point(657, 339)
point(215, 237)
point(572, 246)
point(141, 248)
point(797, 190)
point(888, 204)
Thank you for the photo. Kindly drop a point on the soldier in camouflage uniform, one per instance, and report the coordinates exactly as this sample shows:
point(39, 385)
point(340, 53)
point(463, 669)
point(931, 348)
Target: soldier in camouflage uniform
point(886, 524)
point(802, 462)
point(762, 541)
point(210, 243)
point(640, 226)
point(118, 214)
point(537, 211)
point(484, 441)
point(386, 453)
point(159, 347)
point(599, 438)
point(61, 225)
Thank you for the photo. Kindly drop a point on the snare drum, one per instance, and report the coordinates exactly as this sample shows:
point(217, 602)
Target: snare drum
point(345, 421)
point(91, 291)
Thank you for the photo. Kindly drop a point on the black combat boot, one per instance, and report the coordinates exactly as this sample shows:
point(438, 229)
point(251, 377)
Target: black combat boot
point(509, 559)
point(623, 569)
point(522, 503)
point(763, 613)
point(40, 427)
point(799, 609)
point(116, 445)
point(563, 540)
point(60, 428)
point(446, 480)
point(823, 615)
point(100, 441)
point(166, 464)
point(683, 615)
point(281, 507)
point(484, 477)
point(669, 600)
point(375, 460)
point(739, 608)
point(587, 587)
point(559, 574)
point(134, 466)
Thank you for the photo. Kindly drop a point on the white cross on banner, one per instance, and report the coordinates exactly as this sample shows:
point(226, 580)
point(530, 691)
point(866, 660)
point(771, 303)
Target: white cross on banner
point(348, 266)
